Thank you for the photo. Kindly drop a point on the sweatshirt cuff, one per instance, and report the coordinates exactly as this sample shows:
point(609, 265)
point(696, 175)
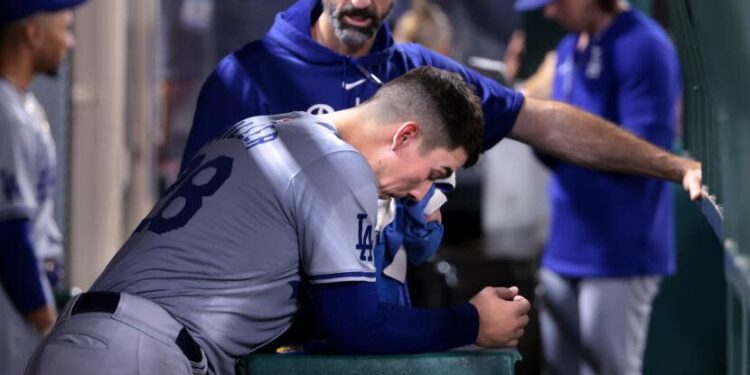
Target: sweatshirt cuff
point(469, 315)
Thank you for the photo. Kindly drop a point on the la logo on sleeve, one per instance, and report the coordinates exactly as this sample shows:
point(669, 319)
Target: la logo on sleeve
point(364, 242)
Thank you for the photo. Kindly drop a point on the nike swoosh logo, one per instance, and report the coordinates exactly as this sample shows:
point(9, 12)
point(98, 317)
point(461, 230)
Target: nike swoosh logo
point(349, 86)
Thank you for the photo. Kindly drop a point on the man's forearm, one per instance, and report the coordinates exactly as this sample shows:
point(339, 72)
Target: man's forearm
point(19, 270)
point(590, 141)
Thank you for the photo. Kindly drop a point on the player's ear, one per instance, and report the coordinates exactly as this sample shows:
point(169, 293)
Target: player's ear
point(33, 31)
point(405, 135)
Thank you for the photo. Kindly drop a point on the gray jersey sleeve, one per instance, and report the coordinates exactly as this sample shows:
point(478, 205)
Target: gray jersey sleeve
point(18, 164)
point(334, 202)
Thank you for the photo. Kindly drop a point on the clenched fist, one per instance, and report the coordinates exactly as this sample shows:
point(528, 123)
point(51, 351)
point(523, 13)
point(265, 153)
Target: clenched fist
point(503, 314)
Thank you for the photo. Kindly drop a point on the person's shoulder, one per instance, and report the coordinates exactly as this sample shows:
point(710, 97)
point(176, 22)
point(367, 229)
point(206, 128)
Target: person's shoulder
point(340, 164)
point(13, 119)
point(643, 50)
point(320, 138)
point(322, 135)
point(640, 42)
point(239, 68)
point(318, 149)
point(410, 48)
point(642, 34)
point(235, 62)
point(414, 55)
point(568, 42)
point(413, 52)
point(9, 102)
point(305, 135)
point(252, 50)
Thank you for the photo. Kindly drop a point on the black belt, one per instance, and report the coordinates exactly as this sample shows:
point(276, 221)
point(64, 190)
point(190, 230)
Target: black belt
point(106, 302)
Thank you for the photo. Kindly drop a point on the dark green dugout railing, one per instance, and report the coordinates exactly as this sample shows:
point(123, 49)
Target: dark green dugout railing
point(713, 40)
point(454, 362)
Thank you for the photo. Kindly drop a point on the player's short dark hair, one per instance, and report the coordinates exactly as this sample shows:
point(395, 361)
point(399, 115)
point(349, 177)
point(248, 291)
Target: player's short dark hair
point(447, 107)
point(607, 6)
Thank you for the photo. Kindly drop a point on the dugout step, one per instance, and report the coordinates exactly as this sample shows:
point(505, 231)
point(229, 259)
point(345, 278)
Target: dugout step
point(454, 362)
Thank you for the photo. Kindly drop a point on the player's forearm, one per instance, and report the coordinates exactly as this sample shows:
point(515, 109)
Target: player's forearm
point(572, 135)
point(19, 271)
point(358, 323)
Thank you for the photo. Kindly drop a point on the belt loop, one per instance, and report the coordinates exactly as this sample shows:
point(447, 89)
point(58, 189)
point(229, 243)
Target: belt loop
point(69, 307)
point(101, 302)
point(189, 347)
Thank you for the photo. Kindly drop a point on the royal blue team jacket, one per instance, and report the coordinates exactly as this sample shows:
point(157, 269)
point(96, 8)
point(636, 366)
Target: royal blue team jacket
point(605, 224)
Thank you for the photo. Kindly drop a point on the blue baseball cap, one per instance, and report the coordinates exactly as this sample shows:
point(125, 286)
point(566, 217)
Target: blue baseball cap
point(528, 5)
point(14, 10)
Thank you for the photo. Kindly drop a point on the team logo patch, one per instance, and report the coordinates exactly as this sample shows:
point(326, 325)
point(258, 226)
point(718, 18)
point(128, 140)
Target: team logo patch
point(320, 109)
point(594, 68)
point(364, 242)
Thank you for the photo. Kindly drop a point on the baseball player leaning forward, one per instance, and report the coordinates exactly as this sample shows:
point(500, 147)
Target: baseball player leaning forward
point(212, 273)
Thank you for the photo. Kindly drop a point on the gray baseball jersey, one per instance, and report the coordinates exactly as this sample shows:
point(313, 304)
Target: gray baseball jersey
point(27, 178)
point(28, 168)
point(222, 251)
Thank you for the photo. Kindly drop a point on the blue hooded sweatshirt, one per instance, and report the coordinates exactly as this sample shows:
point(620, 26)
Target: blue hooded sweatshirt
point(289, 71)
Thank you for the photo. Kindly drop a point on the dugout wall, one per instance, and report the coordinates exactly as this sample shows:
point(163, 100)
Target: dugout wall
point(713, 40)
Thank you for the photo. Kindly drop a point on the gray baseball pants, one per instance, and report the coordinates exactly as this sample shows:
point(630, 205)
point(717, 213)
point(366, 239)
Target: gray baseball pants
point(138, 337)
point(18, 338)
point(594, 325)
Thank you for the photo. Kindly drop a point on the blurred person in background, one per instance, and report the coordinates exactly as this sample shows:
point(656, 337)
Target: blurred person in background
point(427, 24)
point(187, 53)
point(539, 84)
point(612, 236)
point(34, 39)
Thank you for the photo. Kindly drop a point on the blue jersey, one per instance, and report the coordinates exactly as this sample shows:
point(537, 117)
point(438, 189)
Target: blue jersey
point(604, 224)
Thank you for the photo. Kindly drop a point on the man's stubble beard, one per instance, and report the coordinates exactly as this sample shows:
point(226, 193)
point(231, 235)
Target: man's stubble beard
point(354, 37)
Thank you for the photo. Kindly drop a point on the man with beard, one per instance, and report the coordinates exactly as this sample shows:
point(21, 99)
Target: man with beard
point(324, 56)
point(34, 39)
